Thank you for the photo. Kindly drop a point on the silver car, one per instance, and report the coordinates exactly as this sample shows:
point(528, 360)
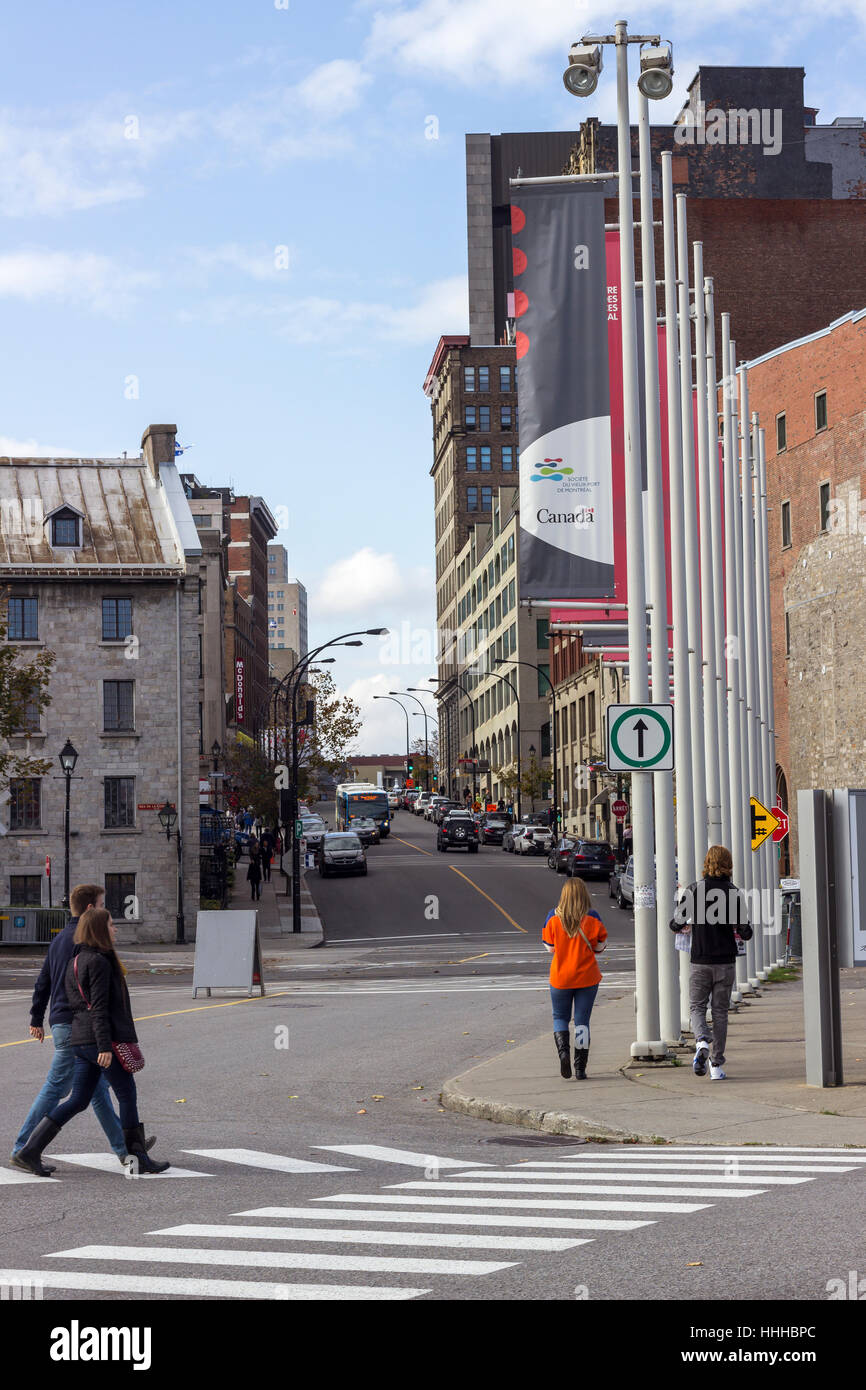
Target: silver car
point(341, 852)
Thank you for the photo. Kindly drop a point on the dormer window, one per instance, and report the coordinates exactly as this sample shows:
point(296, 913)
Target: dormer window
point(66, 527)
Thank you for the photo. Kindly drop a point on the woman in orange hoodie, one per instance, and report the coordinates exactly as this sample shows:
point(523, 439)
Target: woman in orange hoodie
point(574, 935)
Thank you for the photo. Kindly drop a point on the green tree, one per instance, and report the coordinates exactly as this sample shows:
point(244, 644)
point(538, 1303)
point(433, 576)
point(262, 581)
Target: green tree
point(252, 780)
point(20, 682)
point(327, 742)
point(533, 781)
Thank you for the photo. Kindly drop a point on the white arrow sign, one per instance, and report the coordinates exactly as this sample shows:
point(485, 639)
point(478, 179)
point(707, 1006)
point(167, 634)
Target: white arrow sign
point(640, 738)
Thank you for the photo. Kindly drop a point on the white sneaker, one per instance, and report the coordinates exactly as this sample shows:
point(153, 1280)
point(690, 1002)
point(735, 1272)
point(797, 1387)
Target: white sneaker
point(717, 1073)
point(699, 1061)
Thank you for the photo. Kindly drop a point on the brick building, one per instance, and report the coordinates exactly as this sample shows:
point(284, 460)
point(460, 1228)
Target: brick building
point(105, 576)
point(811, 398)
point(782, 230)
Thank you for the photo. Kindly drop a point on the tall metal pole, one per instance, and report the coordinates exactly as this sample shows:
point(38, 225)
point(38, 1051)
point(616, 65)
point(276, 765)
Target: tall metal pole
point(750, 657)
point(708, 626)
point(762, 605)
point(406, 713)
point(66, 842)
point(410, 693)
point(769, 707)
point(663, 789)
point(648, 1041)
point(712, 408)
point(682, 694)
point(733, 639)
point(690, 523)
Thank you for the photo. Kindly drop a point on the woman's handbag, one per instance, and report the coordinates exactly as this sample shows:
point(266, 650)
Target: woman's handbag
point(129, 1055)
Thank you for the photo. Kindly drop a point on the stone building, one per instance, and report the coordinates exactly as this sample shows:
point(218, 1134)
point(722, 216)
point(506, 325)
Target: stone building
point(810, 396)
point(106, 576)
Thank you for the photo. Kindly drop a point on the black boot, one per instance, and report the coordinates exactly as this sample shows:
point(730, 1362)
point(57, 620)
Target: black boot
point(561, 1040)
point(30, 1157)
point(136, 1148)
point(580, 1058)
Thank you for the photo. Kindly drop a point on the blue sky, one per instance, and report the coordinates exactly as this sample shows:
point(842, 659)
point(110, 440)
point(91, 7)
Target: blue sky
point(231, 216)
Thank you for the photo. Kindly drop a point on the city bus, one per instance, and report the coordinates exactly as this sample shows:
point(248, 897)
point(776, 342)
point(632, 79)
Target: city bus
point(362, 799)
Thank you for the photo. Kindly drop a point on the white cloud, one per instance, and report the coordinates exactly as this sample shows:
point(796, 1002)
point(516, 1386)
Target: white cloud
point(374, 584)
point(85, 278)
point(258, 262)
point(30, 449)
point(333, 88)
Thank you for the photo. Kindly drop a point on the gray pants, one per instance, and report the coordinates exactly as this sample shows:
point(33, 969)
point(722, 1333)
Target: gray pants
point(711, 982)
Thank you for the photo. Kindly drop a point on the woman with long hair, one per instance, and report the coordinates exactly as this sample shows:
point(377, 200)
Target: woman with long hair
point(574, 935)
point(101, 1033)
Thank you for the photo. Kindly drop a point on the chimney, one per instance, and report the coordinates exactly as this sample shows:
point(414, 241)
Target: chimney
point(157, 446)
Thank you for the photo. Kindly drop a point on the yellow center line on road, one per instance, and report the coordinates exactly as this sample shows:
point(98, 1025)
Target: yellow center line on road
point(411, 846)
point(466, 959)
point(514, 924)
point(196, 1009)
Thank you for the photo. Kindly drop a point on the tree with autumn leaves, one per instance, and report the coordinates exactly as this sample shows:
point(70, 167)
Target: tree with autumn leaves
point(23, 685)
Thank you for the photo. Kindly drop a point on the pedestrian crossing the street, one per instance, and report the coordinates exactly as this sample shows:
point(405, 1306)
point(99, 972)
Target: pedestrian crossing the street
point(478, 1222)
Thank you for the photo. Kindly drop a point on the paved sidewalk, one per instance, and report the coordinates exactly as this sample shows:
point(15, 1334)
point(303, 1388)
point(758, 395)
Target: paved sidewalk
point(765, 1099)
point(275, 909)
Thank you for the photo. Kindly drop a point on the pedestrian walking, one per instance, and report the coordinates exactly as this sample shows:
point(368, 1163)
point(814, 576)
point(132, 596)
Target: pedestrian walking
point(267, 854)
point(49, 992)
point(103, 1039)
point(714, 912)
point(254, 876)
point(574, 935)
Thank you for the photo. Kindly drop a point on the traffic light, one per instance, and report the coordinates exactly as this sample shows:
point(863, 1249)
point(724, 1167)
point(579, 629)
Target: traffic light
point(435, 777)
point(410, 764)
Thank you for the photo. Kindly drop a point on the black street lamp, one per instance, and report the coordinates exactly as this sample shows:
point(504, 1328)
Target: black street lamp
point(446, 685)
point(512, 661)
point(68, 758)
point(406, 713)
point(167, 816)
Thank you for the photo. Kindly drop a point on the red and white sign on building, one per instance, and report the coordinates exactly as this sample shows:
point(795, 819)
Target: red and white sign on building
point(240, 690)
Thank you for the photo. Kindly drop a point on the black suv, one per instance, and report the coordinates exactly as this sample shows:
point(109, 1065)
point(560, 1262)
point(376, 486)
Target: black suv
point(456, 831)
point(590, 859)
point(493, 827)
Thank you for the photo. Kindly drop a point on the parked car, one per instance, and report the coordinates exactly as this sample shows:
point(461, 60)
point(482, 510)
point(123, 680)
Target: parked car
point(444, 808)
point(511, 836)
point(341, 852)
point(591, 859)
point(434, 802)
point(458, 830)
point(536, 839)
point(394, 800)
point(410, 796)
point(366, 829)
point(420, 804)
point(625, 889)
point(493, 827)
point(557, 855)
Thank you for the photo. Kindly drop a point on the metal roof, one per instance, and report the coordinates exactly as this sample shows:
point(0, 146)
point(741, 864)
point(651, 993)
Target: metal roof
point(128, 522)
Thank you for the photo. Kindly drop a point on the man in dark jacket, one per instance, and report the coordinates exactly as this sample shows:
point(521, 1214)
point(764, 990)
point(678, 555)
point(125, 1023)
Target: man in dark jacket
point(50, 991)
point(714, 911)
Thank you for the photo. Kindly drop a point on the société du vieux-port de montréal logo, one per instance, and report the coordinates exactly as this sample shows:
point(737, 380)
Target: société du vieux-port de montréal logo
point(554, 474)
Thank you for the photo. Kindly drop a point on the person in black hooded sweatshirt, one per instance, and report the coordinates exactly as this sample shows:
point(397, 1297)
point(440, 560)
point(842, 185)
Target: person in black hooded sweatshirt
point(101, 1016)
point(714, 910)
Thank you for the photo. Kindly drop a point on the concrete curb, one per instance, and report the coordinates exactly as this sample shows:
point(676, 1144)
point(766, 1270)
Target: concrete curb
point(547, 1121)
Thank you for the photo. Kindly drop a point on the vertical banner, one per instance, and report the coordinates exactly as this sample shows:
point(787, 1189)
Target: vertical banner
point(240, 690)
point(560, 294)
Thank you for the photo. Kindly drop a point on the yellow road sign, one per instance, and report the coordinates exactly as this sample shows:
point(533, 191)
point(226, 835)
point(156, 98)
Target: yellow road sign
point(763, 822)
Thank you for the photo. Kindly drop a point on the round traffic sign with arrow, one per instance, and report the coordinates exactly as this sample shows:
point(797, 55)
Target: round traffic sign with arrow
point(640, 738)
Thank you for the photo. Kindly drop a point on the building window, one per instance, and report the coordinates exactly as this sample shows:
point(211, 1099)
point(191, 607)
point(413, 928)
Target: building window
point(542, 632)
point(25, 890)
point(119, 803)
point(468, 378)
point(786, 524)
point(505, 378)
point(543, 687)
point(485, 458)
point(573, 722)
point(472, 499)
point(23, 624)
point(25, 803)
point(507, 458)
point(581, 707)
point(469, 417)
point(511, 594)
point(781, 433)
point(824, 502)
point(117, 705)
point(821, 410)
point(471, 459)
point(119, 888)
point(505, 417)
point(787, 635)
point(591, 711)
point(484, 418)
point(486, 499)
point(116, 619)
point(31, 720)
point(64, 528)
point(483, 378)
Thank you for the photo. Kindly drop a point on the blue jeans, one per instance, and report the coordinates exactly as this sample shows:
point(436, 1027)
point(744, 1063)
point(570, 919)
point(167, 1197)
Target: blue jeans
point(57, 1085)
point(86, 1078)
point(579, 1000)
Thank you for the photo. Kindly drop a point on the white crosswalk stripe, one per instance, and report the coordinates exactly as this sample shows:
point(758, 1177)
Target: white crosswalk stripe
point(14, 1175)
point(108, 1163)
point(339, 1236)
point(154, 1285)
point(479, 1221)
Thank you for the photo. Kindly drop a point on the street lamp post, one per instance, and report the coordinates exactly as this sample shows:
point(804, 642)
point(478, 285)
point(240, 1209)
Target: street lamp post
point(411, 691)
point(215, 751)
point(68, 758)
point(452, 680)
point(167, 816)
point(511, 661)
point(406, 713)
point(655, 81)
point(510, 684)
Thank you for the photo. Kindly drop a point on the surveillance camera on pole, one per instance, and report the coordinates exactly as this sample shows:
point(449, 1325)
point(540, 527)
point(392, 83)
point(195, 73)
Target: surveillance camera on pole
point(584, 67)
